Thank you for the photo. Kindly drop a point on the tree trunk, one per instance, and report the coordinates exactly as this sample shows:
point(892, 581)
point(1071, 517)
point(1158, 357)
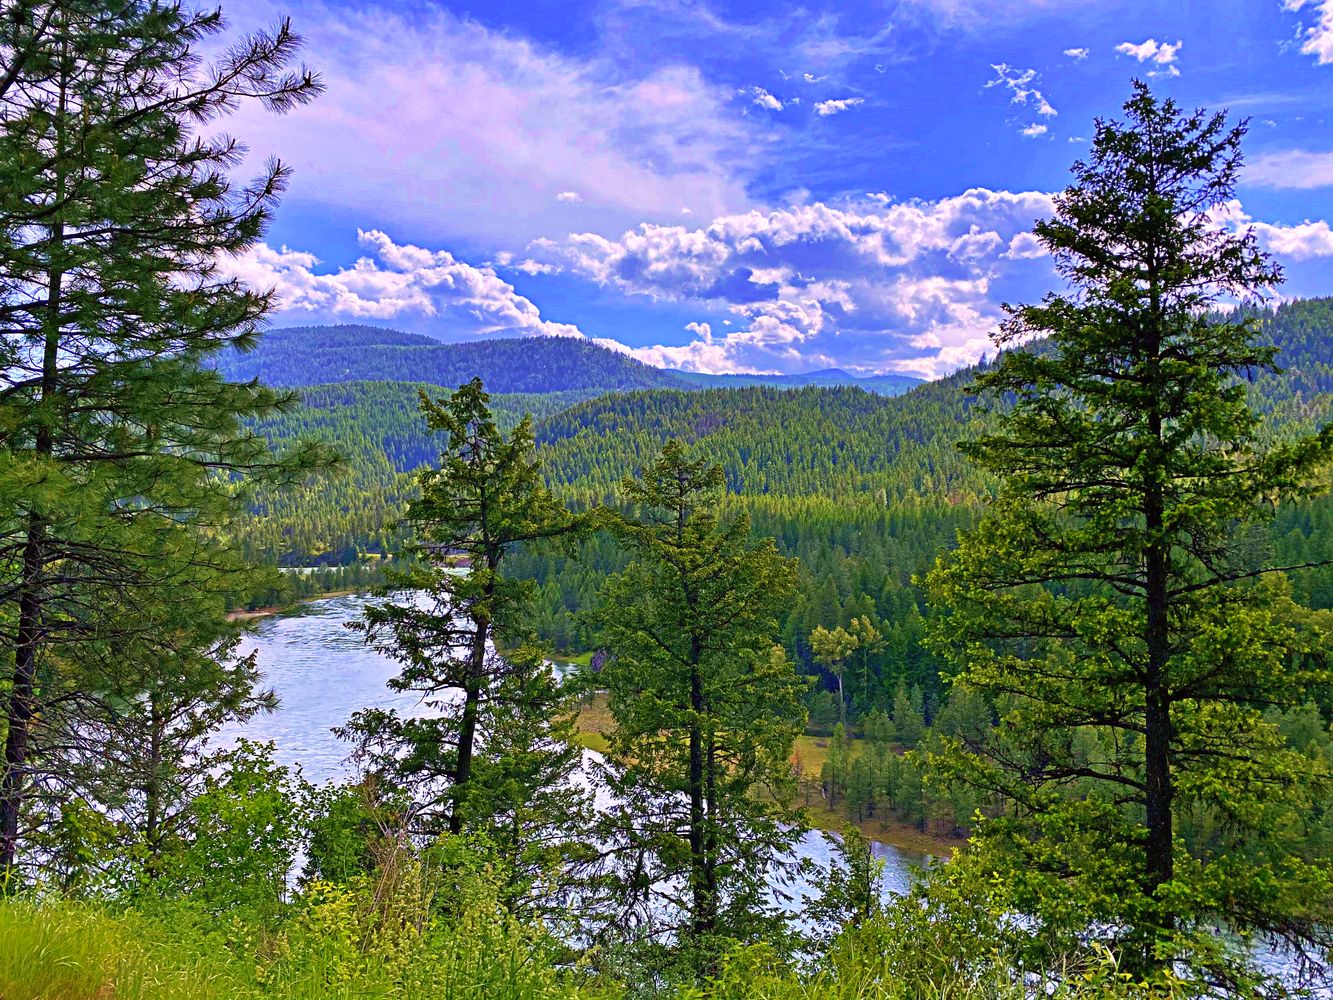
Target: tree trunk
point(22, 703)
point(467, 725)
point(31, 590)
point(704, 918)
point(153, 787)
point(1159, 860)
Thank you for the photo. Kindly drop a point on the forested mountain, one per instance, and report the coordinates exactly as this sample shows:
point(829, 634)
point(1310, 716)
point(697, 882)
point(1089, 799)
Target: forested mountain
point(377, 428)
point(888, 384)
point(864, 488)
point(316, 355)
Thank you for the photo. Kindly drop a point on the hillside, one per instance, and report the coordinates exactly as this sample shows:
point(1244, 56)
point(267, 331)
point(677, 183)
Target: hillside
point(886, 385)
point(316, 355)
point(865, 488)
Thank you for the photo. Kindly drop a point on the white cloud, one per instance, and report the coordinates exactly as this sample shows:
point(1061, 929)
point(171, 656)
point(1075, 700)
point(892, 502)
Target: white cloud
point(811, 78)
point(531, 267)
point(1292, 168)
point(1077, 54)
point(1304, 241)
point(832, 107)
point(763, 99)
point(522, 121)
point(1317, 39)
point(569, 196)
point(397, 280)
point(1300, 242)
point(1025, 246)
point(860, 283)
point(1161, 53)
point(1034, 130)
point(1018, 83)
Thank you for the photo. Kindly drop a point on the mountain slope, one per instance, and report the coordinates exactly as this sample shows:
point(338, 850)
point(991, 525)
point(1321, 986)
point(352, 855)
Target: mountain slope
point(317, 355)
point(884, 385)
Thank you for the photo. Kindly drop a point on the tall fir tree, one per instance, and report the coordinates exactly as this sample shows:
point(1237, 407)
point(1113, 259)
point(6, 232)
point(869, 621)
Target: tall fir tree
point(1120, 587)
point(706, 709)
point(495, 757)
point(121, 452)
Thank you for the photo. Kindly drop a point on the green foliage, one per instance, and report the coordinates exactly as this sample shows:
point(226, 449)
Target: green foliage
point(121, 453)
point(242, 835)
point(852, 891)
point(1118, 603)
point(706, 710)
point(496, 754)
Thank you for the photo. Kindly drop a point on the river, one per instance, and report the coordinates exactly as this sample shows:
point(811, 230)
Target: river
point(323, 672)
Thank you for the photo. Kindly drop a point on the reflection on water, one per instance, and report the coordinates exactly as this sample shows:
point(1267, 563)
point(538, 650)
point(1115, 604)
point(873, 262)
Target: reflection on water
point(323, 673)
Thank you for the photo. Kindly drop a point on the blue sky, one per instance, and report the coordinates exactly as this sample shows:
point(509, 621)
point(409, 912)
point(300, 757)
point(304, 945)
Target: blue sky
point(736, 187)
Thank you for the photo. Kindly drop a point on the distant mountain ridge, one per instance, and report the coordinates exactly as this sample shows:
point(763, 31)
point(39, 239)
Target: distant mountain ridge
point(884, 385)
point(301, 356)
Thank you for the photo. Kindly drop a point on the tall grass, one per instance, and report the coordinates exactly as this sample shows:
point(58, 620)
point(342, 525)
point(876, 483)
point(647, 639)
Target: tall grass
point(69, 951)
point(327, 951)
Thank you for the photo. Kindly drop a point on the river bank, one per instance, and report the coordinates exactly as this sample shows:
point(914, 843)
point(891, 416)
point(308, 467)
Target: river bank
point(809, 754)
point(594, 721)
point(269, 610)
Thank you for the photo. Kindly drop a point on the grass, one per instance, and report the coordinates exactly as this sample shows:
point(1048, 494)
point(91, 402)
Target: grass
point(60, 950)
point(74, 952)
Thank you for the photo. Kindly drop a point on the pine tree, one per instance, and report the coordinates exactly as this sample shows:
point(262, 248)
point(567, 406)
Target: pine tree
point(495, 757)
point(706, 709)
point(120, 450)
point(1120, 585)
point(129, 740)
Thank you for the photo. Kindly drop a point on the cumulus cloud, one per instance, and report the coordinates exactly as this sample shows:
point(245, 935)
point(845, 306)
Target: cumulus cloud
point(1300, 242)
point(1025, 246)
point(398, 280)
point(832, 107)
point(1077, 54)
point(1316, 39)
point(1018, 83)
point(811, 78)
point(1292, 168)
point(1304, 241)
point(762, 98)
point(531, 267)
point(569, 196)
point(870, 283)
point(1034, 130)
point(1162, 52)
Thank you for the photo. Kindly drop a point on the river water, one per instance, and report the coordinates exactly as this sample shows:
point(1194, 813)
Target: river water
point(322, 673)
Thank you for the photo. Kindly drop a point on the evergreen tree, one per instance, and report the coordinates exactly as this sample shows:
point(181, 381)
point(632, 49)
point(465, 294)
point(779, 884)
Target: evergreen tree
point(1118, 583)
point(119, 449)
point(706, 710)
point(852, 887)
point(128, 742)
point(909, 723)
point(494, 758)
